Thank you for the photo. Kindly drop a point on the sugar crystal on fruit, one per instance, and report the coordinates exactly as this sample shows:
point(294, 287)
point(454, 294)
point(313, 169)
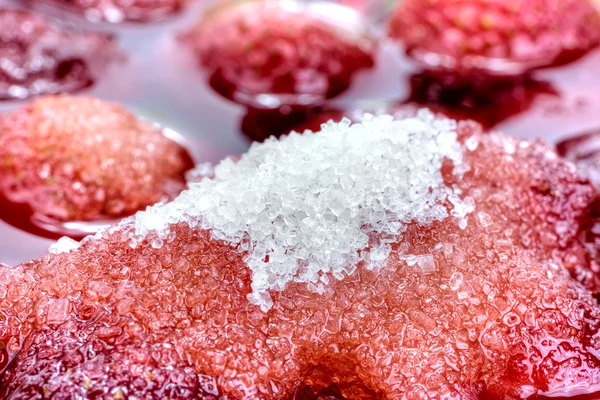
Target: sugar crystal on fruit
point(426, 263)
point(456, 280)
point(492, 36)
point(472, 143)
point(58, 310)
point(175, 321)
point(64, 245)
point(325, 197)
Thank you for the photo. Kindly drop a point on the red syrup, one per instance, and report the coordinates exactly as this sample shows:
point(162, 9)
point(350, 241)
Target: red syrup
point(307, 391)
point(589, 396)
point(486, 100)
point(4, 357)
point(584, 150)
point(551, 104)
point(581, 396)
point(261, 123)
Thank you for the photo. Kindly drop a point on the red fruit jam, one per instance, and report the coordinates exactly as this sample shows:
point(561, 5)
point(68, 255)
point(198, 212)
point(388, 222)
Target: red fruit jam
point(269, 53)
point(491, 311)
point(39, 58)
point(501, 37)
point(65, 159)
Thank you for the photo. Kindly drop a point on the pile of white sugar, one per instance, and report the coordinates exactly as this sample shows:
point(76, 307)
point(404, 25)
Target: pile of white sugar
point(313, 205)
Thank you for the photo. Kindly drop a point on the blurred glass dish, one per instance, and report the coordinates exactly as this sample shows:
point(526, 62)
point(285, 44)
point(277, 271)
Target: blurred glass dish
point(39, 57)
point(498, 37)
point(375, 11)
point(118, 11)
point(285, 52)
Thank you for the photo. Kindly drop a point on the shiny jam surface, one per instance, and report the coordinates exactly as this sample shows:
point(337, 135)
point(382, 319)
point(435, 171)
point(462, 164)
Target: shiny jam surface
point(495, 318)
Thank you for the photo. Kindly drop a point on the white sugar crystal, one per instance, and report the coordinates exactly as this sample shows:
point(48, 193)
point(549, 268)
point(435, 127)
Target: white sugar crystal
point(509, 147)
point(456, 280)
point(309, 205)
point(472, 143)
point(64, 245)
point(200, 172)
point(427, 263)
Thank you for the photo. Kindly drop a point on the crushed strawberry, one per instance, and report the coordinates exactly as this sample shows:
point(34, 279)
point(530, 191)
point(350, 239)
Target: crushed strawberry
point(502, 309)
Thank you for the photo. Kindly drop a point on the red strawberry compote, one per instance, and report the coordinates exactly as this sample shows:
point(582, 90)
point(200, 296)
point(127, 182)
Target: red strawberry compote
point(38, 57)
point(79, 158)
point(268, 53)
point(498, 36)
point(415, 259)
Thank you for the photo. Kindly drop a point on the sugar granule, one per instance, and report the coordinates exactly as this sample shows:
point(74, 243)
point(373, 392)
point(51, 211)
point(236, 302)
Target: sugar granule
point(307, 204)
point(64, 245)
